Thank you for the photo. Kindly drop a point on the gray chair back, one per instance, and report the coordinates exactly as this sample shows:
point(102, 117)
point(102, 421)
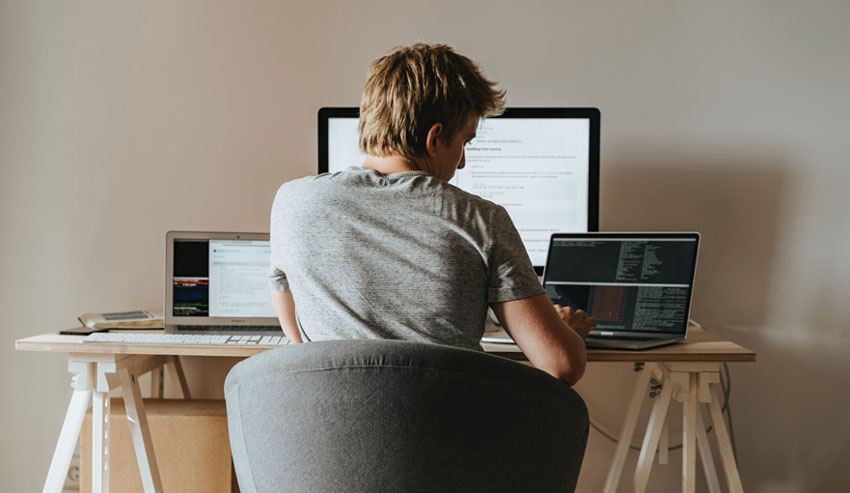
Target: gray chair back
point(386, 416)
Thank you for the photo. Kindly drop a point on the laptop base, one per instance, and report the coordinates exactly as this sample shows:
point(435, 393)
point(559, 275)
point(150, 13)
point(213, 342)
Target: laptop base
point(634, 344)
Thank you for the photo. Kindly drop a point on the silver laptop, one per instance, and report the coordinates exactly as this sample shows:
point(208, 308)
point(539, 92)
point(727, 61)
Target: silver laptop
point(217, 283)
point(638, 285)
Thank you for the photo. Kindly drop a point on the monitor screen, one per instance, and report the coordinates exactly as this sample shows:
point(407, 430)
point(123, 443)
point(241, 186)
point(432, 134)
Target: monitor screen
point(628, 281)
point(540, 164)
point(221, 278)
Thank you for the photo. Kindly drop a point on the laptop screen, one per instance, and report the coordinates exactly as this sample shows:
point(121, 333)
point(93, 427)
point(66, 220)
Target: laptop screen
point(221, 278)
point(639, 283)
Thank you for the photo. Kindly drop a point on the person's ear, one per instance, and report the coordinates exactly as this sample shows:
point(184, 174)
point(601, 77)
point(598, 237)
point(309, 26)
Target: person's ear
point(431, 140)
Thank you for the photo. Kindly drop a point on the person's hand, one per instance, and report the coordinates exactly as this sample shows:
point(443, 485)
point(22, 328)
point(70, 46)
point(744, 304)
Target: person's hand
point(577, 320)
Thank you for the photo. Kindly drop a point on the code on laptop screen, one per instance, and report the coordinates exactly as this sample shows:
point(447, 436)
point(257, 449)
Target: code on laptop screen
point(638, 284)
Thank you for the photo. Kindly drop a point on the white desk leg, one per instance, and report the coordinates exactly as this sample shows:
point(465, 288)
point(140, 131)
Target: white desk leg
point(689, 431)
point(625, 439)
point(156, 382)
point(139, 430)
point(80, 401)
point(653, 433)
point(733, 480)
point(100, 442)
point(175, 373)
point(664, 444)
point(705, 454)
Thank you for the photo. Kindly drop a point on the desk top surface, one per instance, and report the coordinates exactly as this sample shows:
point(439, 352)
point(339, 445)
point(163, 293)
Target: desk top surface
point(700, 346)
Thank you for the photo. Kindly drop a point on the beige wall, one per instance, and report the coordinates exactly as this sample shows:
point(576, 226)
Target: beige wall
point(122, 120)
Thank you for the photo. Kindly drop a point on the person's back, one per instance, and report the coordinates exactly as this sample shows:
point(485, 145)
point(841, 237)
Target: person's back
point(398, 256)
point(392, 250)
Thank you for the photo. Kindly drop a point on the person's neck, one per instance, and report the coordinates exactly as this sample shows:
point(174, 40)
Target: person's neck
point(388, 165)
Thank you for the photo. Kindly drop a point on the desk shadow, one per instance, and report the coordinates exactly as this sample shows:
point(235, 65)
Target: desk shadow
point(735, 203)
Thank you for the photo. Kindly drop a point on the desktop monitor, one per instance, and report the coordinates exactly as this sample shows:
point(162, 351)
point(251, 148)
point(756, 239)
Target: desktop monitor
point(540, 164)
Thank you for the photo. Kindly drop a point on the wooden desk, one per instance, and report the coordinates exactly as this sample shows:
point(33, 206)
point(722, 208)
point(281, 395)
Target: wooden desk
point(684, 372)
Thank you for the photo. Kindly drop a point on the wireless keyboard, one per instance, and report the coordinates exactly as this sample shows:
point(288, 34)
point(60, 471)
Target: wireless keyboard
point(187, 339)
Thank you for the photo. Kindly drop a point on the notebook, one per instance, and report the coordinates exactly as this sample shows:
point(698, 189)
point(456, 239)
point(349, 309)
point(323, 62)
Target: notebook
point(639, 286)
point(217, 283)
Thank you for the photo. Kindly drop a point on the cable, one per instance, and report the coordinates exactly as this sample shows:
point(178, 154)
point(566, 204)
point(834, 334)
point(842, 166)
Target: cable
point(727, 389)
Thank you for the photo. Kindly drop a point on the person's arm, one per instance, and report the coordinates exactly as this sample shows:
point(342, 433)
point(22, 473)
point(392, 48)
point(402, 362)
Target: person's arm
point(540, 331)
point(284, 306)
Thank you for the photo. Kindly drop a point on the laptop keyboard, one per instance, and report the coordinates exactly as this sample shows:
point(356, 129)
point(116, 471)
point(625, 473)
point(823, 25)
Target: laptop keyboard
point(186, 339)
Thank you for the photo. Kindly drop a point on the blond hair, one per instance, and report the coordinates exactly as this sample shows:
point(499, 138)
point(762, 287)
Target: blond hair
point(414, 87)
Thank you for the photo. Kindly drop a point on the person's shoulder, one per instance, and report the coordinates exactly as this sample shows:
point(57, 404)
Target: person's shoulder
point(470, 199)
point(312, 183)
point(306, 181)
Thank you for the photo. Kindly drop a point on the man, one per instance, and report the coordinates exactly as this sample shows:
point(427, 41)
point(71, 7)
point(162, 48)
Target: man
point(391, 250)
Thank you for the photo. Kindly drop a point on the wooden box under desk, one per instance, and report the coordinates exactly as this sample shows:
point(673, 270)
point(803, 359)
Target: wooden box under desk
point(190, 441)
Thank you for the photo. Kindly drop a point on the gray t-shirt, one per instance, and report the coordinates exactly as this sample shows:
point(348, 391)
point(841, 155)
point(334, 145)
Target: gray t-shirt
point(399, 256)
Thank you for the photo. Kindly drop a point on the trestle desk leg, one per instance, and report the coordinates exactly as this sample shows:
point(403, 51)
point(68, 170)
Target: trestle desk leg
point(80, 402)
point(705, 454)
point(689, 424)
point(176, 375)
point(157, 378)
point(140, 432)
point(653, 433)
point(733, 480)
point(625, 439)
point(100, 441)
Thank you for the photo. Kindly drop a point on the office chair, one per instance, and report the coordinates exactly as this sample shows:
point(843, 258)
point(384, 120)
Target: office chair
point(400, 416)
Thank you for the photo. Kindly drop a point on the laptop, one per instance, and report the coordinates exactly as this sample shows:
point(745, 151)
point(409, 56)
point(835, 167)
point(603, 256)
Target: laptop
point(638, 285)
point(217, 283)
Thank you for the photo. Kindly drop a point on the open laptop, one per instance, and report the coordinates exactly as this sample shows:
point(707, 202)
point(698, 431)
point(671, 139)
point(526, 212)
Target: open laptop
point(638, 285)
point(217, 283)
